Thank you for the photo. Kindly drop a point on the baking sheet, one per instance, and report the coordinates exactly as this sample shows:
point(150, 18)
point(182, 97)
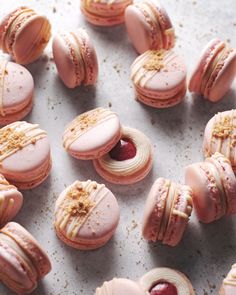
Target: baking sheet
point(207, 251)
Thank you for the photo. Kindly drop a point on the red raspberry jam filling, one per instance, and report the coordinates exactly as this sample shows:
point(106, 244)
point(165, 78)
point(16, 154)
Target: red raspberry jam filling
point(163, 288)
point(124, 150)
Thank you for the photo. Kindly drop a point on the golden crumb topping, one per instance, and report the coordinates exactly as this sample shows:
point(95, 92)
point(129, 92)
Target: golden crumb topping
point(86, 120)
point(223, 128)
point(11, 140)
point(155, 62)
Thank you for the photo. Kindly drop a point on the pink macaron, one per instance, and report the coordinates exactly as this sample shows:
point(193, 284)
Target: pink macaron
point(25, 158)
point(22, 260)
point(166, 281)
point(92, 134)
point(119, 286)
point(167, 211)
point(104, 13)
point(16, 92)
point(149, 26)
point(75, 58)
point(215, 71)
point(129, 161)
point(220, 136)
point(24, 34)
point(86, 215)
point(11, 201)
point(214, 188)
point(159, 78)
point(229, 283)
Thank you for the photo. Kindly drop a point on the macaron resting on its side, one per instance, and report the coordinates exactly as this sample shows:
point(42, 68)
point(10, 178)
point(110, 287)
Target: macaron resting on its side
point(24, 34)
point(86, 215)
point(214, 188)
point(159, 78)
point(229, 283)
point(120, 287)
point(22, 260)
point(104, 12)
point(167, 211)
point(16, 92)
point(163, 280)
point(215, 71)
point(220, 136)
point(149, 26)
point(11, 201)
point(75, 58)
point(25, 158)
point(129, 161)
point(92, 134)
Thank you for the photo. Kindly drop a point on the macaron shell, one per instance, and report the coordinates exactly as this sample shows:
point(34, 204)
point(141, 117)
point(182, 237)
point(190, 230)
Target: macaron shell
point(222, 77)
point(30, 246)
point(118, 287)
point(64, 62)
point(164, 274)
point(229, 283)
point(31, 40)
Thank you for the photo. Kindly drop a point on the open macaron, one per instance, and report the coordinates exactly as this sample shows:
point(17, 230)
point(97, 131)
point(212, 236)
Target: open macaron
point(24, 34)
point(167, 211)
point(104, 13)
point(220, 136)
point(159, 78)
point(92, 134)
point(25, 158)
point(75, 58)
point(22, 260)
point(215, 71)
point(16, 92)
point(129, 161)
point(149, 26)
point(214, 188)
point(166, 281)
point(86, 215)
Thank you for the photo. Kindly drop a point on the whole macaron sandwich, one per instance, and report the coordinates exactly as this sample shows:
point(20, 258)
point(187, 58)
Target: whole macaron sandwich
point(11, 201)
point(75, 58)
point(214, 188)
point(16, 92)
point(24, 34)
point(166, 281)
point(229, 283)
point(167, 211)
point(23, 262)
point(86, 215)
point(104, 13)
point(220, 136)
point(215, 71)
point(25, 157)
point(159, 78)
point(149, 26)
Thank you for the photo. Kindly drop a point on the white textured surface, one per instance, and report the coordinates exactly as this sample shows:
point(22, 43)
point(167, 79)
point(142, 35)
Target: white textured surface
point(207, 251)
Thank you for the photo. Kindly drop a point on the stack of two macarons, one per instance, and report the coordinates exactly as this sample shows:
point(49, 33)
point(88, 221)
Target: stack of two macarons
point(121, 155)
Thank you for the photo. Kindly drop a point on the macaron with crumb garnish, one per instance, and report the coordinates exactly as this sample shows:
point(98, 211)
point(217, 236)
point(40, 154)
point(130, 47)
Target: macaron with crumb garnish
point(75, 58)
point(11, 201)
point(16, 92)
point(23, 262)
point(149, 26)
point(86, 215)
point(214, 188)
point(228, 286)
point(167, 212)
point(215, 71)
point(24, 34)
point(159, 78)
point(92, 134)
point(166, 281)
point(129, 161)
point(220, 136)
point(25, 156)
point(104, 13)
point(119, 286)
